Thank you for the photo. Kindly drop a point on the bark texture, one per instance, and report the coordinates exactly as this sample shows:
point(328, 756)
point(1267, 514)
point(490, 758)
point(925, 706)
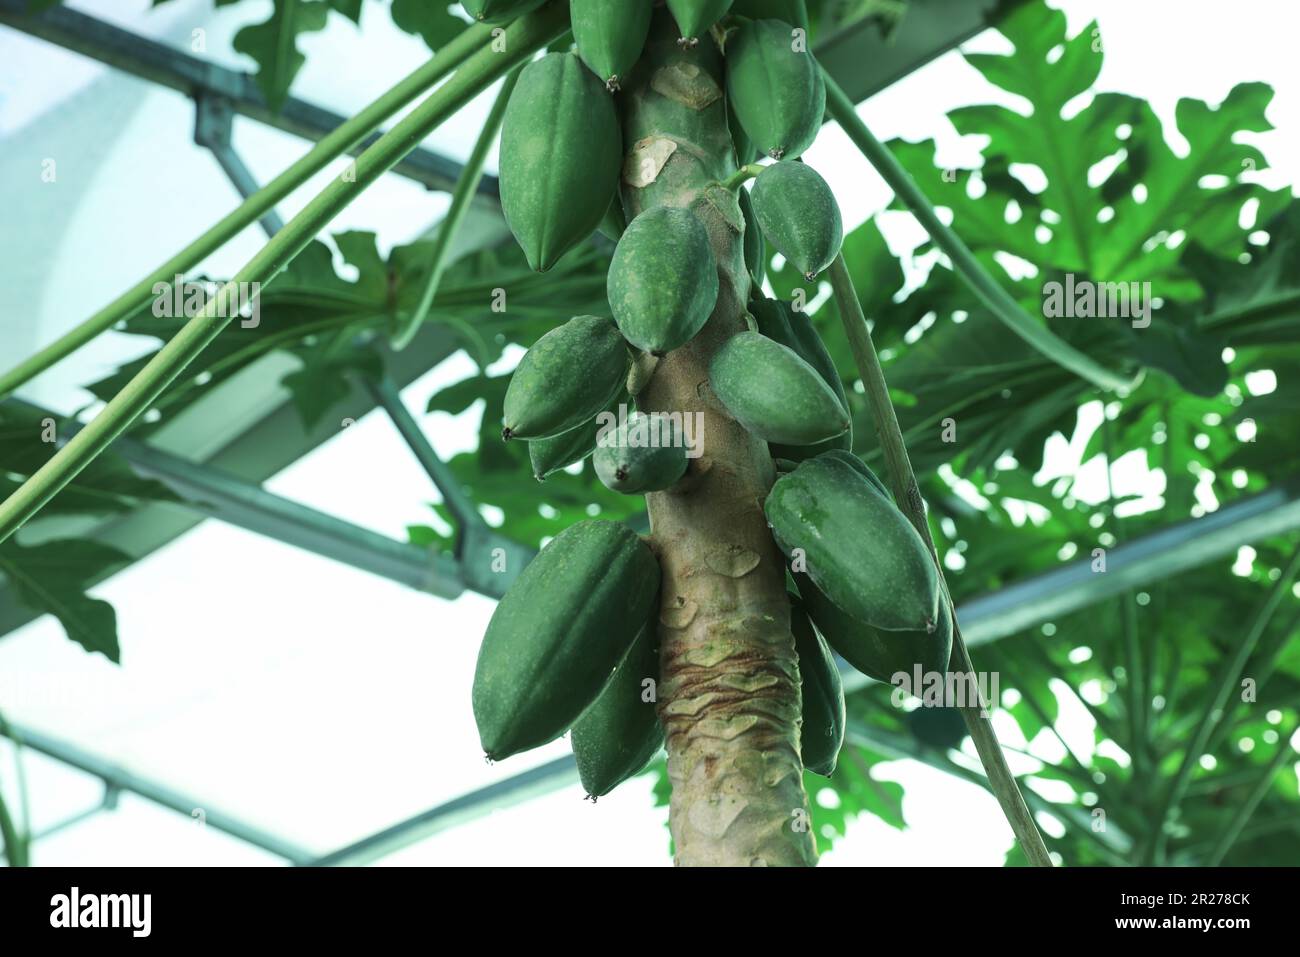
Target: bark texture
point(729, 694)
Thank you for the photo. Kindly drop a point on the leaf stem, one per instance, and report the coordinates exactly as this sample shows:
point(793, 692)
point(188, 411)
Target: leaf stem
point(1213, 713)
point(334, 144)
point(521, 39)
point(996, 299)
point(908, 496)
point(1269, 656)
point(1137, 702)
point(1244, 812)
point(466, 187)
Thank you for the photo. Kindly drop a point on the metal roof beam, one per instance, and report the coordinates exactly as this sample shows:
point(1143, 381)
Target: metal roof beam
point(535, 782)
point(118, 779)
point(863, 62)
point(165, 66)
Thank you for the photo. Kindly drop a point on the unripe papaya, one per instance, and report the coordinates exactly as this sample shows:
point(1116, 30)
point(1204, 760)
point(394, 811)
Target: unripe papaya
point(614, 221)
point(558, 634)
point(746, 151)
point(549, 456)
point(778, 320)
point(620, 733)
point(877, 653)
point(858, 548)
point(822, 732)
point(569, 375)
point(610, 36)
point(561, 156)
point(755, 245)
point(775, 87)
point(694, 17)
point(498, 11)
point(797, 211)
point(789, 11)
point(863, 469)
point(644, 454)
point(663, 280)
point(773, 393)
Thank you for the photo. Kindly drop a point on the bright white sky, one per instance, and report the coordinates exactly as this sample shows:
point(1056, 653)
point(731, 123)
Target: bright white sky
point(315, 701)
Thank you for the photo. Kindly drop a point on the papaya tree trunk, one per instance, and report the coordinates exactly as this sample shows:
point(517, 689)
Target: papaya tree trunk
point(729, 694)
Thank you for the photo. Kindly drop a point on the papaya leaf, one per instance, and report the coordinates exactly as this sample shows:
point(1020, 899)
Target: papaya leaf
point(855, 792)
point(432, 22)
point(28, 439)
point(52, 578)
point(330, 365)
point(1255, 302)
point(273, 43)
point(1192, 356)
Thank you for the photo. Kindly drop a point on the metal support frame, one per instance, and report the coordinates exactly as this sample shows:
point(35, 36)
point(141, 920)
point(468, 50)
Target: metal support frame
point(1153, 557)
point(214, 119)
point(535, 782)
point(453, 496)
point(232, 500)
point(117, 780)
point(165, 66)
point(489, 562)
point(862, 63)
point(1142, 561)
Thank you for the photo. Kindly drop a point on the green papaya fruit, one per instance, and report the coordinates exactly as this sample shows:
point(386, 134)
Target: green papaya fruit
point(792, 328)
point(620, 733)
point(877, 653)
point(775, 87)
point(774, 393)
point(558, 634)
point(613, 222)
point(746, 151)
point(610, 36)
point(561, 157)
point(663, 280)
point(694, 17)
point(863, 469)
point(858, 548)
point(646, 453)
point(797, 211)
point(788, 11)
point(498, 11)
point(822, 733)
point(755, 245)
point(569, 375)
point(552, 455)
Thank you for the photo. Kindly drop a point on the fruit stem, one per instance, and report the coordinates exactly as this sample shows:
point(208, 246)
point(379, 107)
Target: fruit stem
point(741, 176)
point(466, 188)
point(987, 289)
point(908, 497)
point(329, 148)
point(522, 38)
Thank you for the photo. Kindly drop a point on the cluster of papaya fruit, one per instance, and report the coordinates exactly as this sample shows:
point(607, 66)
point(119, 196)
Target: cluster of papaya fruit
point(573, 645)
